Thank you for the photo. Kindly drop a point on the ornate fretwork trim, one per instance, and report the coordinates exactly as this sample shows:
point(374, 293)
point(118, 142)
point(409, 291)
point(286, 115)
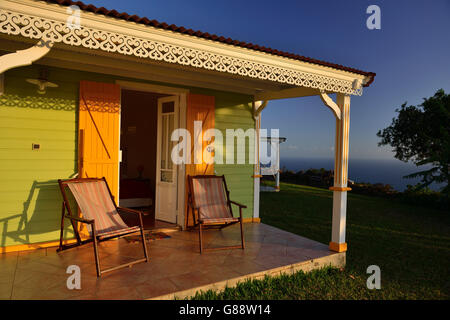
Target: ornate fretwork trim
point(28, 26)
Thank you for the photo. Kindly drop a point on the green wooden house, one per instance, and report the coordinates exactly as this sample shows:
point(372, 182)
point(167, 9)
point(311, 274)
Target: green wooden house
point(91, 92)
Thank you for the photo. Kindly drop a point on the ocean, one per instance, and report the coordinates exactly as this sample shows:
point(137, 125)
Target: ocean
point(363, 170)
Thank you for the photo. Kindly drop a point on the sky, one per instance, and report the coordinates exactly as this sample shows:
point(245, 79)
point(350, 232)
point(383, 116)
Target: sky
point(410, 55)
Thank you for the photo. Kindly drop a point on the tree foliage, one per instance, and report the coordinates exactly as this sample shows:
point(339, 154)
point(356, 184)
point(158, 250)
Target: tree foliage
point(421, 134)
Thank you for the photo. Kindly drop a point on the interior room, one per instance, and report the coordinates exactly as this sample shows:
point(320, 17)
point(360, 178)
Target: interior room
point(138, 135)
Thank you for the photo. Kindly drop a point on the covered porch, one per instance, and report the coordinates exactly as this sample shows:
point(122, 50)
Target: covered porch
point(175, 270)
point(134, 47)
point(141, 55)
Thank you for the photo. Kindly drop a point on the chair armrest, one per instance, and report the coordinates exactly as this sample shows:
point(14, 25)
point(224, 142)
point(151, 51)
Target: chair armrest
point(238, 204)
point(137, 212)
point(79, 219)
point(130, 210)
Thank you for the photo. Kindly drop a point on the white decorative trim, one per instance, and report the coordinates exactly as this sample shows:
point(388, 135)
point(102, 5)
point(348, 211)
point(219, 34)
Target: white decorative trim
point(29, 26)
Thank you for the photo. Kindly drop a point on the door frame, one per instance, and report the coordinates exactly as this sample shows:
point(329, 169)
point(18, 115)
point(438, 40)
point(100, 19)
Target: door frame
point(159, 137)
point(182, 94)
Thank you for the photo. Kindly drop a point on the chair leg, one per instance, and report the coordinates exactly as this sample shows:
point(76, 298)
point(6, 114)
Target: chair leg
point(61, 234)
point(97, 260)
point(242, 235)
point(187, 215)
point(200, 237)
point(143, 239)
point(242, 230)
point(144, 245)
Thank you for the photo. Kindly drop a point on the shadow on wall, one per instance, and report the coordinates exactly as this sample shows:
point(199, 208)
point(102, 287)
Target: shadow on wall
point(34, 219)
point(33, 212)
point(37, 102)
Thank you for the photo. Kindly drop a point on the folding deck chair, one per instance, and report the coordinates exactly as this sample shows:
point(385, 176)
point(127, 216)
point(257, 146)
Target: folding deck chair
point(210, 204)
point(99, 210)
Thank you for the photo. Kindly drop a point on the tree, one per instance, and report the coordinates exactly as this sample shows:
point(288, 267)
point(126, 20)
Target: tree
point(421, 134)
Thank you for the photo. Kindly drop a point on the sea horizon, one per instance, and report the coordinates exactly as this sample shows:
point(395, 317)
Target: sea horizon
point(385, 171)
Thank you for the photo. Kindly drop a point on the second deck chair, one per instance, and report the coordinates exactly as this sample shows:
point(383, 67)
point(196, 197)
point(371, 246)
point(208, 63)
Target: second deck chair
point(210, 205)
point(100, 212)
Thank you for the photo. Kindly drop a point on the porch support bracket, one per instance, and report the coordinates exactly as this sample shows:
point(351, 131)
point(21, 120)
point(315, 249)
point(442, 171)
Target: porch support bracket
point(330, 104)
point(25, 57)
point(258, 107)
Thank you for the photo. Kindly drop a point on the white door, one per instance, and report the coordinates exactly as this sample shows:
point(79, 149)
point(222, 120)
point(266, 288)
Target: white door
point(166, 170)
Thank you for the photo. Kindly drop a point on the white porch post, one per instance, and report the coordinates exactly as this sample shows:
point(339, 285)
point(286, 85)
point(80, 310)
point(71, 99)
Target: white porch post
point(340, 175)
point(277, 181)
point(258, 107)
point(256, 170)
point(277, 176)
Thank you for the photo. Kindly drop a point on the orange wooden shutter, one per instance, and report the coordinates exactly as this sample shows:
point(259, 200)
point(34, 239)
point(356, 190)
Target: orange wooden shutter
point(99, 132)
point(199, 108)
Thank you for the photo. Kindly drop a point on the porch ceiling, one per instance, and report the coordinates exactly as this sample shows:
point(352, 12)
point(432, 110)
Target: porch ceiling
point(83, 59)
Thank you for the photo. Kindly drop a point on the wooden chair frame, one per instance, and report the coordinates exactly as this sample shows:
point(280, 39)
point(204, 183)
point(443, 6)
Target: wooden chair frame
point(201, 225)
point(94, 237)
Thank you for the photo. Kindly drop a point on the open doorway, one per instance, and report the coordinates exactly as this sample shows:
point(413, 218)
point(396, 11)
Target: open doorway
point(140, 149)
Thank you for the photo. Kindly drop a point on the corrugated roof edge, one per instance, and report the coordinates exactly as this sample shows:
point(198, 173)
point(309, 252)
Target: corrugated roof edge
point(205, 35)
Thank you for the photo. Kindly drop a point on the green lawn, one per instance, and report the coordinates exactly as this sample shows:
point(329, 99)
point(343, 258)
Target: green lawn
point(410, 244)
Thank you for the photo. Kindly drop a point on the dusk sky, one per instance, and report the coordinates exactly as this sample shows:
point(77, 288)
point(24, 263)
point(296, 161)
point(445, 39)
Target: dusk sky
point(410, 55)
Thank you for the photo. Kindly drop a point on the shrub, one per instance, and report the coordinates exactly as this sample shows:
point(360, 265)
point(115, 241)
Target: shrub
point(324, 179)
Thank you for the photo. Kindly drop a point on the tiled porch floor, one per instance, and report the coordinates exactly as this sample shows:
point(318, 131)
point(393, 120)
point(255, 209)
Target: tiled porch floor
point(176, 267)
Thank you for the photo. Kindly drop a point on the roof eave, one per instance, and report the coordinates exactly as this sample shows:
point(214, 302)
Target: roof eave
point(218, 56)
point(205, 35)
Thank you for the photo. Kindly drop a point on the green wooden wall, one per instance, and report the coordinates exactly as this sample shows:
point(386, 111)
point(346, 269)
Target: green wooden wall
point(234, 112)
point(29, 196)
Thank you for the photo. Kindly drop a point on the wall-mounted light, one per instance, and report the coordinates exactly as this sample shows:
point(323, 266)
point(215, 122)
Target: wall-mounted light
point(42, 82)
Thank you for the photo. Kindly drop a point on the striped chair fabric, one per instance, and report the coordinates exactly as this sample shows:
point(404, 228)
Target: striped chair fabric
point(209, 196)
point(95, 203)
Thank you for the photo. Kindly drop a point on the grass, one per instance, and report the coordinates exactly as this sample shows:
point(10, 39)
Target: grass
point(410, 244)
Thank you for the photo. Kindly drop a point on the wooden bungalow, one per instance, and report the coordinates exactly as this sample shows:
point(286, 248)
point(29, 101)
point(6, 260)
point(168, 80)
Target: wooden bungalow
point(91, 92)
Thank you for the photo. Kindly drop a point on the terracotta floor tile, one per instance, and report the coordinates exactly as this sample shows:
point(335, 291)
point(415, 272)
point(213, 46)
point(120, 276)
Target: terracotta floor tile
point(84, 297)
point(38, 280)
point(56, 293)
point(316, 253)
point(7, 276)
point(222, 273)
point(216, 258)
point(232, 260)
point(247, 267)
point(8, 262)
point(121, 293)
point(6, 290)
point(190, 280)
point(157, 288)
point(41, 266)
